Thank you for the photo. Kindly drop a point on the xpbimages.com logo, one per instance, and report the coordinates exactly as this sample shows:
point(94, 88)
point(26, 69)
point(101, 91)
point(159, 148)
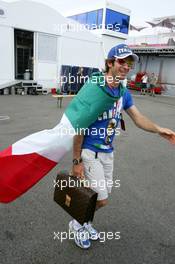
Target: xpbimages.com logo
point(101, 132)
point(102, 236)
point(78, 27)
point(100, 184)
point(72, 79)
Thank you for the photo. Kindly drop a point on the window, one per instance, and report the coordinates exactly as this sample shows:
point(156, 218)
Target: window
point(116, 21)
point(47, 48)
point(73, 17)
point(68, 71)
point(93, 18)
point(100, 18)
point(81, 18)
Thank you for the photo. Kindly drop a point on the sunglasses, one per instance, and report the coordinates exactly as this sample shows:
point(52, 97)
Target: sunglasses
point(127, 61)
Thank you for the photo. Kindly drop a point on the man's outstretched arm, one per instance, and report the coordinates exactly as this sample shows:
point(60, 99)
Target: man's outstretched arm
point(144, 123)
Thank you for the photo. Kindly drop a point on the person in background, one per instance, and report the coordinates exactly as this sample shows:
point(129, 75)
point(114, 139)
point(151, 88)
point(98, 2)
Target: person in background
point(80, 78)
point(144, 83)
point(152, 82)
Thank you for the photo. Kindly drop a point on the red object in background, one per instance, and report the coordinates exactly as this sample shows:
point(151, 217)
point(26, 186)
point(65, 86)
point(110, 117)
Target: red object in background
point(53, 91)
point(158, 90)
point(136, 85)
point(139, 76)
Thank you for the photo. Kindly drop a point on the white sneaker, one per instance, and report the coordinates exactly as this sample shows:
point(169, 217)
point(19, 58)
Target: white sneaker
point(81, 237)
point(93, 233)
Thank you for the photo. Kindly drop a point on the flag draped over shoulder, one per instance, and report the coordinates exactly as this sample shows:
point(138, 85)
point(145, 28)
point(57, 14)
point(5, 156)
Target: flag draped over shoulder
point(28, 160)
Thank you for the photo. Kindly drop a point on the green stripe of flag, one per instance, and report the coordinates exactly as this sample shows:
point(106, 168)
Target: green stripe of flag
point(90, 102)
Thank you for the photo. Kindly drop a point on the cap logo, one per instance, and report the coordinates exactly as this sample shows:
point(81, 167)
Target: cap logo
point(124, 50)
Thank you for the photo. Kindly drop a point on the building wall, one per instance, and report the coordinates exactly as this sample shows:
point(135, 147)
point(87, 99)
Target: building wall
point(168, 70)
point(163, 67)
point(109, 42)
point(6, 54)
point(46, 59)
point(81, 53)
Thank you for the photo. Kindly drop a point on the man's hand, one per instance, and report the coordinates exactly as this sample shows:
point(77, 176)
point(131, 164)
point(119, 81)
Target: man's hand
point(78, 170)
point(167, 134)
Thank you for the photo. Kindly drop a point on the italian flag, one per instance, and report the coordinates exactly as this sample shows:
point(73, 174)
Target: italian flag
point(28, 160)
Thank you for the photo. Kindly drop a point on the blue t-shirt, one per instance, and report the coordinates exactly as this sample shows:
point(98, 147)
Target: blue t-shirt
point(99, 136)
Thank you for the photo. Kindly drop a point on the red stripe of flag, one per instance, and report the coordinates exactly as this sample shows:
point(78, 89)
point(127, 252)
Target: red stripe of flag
point(18, 173)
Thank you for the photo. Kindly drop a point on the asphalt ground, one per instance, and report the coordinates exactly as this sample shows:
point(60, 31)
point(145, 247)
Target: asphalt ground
point(142, 209)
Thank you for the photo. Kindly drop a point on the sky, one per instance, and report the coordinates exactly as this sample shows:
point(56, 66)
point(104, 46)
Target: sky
point(141, 11)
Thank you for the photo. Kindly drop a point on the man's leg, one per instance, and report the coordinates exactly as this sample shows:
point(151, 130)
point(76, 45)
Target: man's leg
point(106, 160)
point(101, 203)
point(154, 91)
point(94, 175)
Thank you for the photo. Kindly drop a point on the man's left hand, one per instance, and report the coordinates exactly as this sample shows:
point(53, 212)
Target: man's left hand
point(167, 134)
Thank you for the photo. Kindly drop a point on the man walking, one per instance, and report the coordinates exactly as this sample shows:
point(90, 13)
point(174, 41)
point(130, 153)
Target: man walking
point(93, 151)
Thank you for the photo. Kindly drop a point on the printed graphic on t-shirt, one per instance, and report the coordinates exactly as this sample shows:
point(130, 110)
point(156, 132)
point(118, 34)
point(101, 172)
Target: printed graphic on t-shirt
point(100, 135)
